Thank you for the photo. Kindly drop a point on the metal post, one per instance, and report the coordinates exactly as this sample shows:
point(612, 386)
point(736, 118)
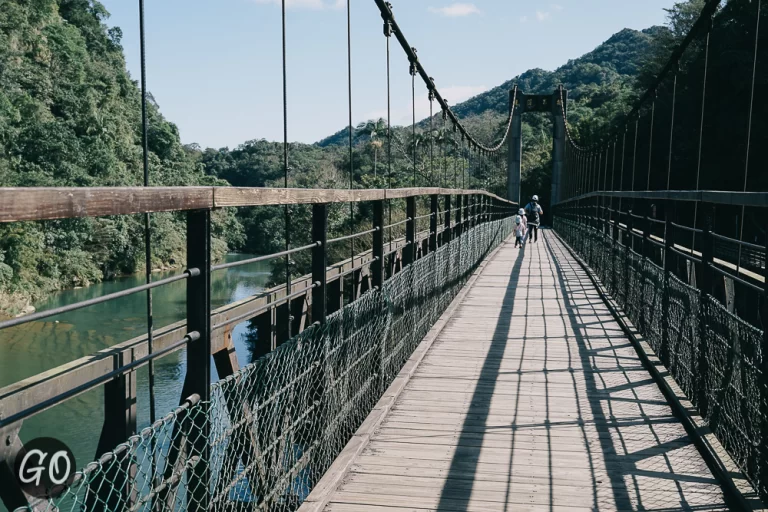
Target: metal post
point(447, 221)
point(198, 377)
point(377, 265)
point(705, 289)
point(559, 144)
point(627, 256)
point(668, 244)
point(515, 150)
point(409, 251)
point(459, 215)
point(433, 223)
point(113, 488)
point(320, 262)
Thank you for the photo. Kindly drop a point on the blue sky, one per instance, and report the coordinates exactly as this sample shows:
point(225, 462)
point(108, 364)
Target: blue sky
point(214, 66)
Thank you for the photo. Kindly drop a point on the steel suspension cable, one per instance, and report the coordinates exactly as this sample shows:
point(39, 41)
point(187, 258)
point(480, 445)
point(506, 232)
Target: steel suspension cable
point(388, 35)
point(413, 125)
point(385, 9)
point(286, 209)
point(431, 138)
point(749, 130)
point(699, 25)
point(634, 155)
point(701, 130)
point(147, 219)
point(650, 144)
point(672, 128)
point(351, 128)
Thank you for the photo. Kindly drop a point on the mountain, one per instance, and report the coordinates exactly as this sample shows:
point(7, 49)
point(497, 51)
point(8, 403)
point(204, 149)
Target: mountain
point(617, 61)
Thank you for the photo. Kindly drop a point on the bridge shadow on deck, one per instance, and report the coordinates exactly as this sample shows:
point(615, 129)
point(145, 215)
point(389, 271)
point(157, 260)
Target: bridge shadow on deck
point(467, 454)
point(628, 455)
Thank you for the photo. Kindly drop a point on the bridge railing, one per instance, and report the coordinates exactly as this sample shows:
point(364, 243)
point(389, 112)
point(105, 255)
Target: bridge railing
point(264, 433)
point(697, 296)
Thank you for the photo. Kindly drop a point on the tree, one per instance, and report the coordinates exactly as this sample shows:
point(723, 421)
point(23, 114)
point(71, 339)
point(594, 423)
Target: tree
point(373, 129)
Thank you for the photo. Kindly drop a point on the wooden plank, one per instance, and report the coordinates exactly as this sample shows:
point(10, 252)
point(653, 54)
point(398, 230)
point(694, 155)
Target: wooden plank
point(324, 489)
point(23, 204)
point(531, 398)
point(46, 203)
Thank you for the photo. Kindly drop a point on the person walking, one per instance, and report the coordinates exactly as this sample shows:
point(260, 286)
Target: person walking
point(534, 212)
point(521, 228)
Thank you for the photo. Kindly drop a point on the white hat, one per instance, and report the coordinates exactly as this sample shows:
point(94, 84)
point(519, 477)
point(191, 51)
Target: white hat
point(521, 212)
point(535, 198)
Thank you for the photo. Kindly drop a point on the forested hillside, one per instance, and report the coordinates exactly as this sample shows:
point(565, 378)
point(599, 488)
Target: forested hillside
point(70, 116)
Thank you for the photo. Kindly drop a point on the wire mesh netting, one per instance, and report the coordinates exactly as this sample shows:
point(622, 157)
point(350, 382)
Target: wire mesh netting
point(272, 429)
point(716, 357)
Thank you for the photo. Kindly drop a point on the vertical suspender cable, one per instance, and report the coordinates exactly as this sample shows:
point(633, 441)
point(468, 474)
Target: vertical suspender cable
point(650, 144)
point(749, 127)
point(147, 235)
point(669, 160)
point(442, 151)
point(634, 153)
point(388, 35)
point(672, 129)
point(701, 131)
point(147, 226)
point(286, 211)
point(431, 138)
point(351, 161)
point(413, 126)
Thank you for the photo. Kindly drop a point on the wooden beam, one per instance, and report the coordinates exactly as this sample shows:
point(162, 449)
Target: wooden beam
point(24, 204)
point(46, 203)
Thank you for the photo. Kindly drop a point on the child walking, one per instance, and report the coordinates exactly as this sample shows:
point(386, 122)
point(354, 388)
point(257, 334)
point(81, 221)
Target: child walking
point(521, 227)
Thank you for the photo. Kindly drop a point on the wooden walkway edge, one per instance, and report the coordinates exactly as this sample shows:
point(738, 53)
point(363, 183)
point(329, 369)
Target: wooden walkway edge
point(527, 395)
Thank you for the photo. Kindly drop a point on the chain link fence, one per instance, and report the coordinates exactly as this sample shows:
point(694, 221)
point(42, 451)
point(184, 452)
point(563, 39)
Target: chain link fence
point(715, 357)
point(272, 429)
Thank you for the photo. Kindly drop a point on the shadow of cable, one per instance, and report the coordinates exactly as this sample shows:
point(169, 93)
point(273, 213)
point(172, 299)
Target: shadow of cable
point(620, 491)
point(466, 458)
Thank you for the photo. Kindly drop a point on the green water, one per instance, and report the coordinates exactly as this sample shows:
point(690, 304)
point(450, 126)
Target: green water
point(29, 349)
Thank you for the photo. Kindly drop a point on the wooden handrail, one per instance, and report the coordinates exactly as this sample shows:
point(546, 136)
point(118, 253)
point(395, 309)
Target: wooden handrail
point(703, 196)
point(47, 203)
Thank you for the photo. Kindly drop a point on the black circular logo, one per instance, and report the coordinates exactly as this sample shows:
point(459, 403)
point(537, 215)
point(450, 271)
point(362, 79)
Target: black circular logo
point(45, 467)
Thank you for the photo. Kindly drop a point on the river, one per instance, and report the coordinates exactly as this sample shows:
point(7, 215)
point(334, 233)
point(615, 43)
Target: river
point(29, 349)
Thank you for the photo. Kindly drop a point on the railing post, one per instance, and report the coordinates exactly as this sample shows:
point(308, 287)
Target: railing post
point(459, 214)
point(447, 221)
point(627, 256)
point(320, 262)
point(468, 212)
point(409, 251)
point(668, 244)
point(705, 289)
point(377, 265)
point(434, 210)
point(198, 377)
point(646, 244)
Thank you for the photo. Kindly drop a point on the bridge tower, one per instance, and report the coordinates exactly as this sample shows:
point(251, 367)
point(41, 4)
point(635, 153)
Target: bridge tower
point(535, 103)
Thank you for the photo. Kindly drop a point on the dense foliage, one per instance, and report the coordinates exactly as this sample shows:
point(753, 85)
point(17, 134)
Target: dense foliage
point(70, 116)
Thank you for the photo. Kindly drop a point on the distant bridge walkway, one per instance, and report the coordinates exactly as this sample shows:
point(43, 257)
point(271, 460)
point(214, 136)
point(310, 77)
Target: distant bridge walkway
point(531, 397)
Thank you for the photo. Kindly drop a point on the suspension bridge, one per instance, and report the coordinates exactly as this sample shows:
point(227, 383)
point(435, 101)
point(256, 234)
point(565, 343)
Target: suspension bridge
point(617, 363)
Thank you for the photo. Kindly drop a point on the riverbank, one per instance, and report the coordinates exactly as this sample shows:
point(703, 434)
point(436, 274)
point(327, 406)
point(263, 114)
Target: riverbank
point(22, 300)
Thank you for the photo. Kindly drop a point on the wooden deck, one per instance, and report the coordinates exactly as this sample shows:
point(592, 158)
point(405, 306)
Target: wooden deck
point(531, 397)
